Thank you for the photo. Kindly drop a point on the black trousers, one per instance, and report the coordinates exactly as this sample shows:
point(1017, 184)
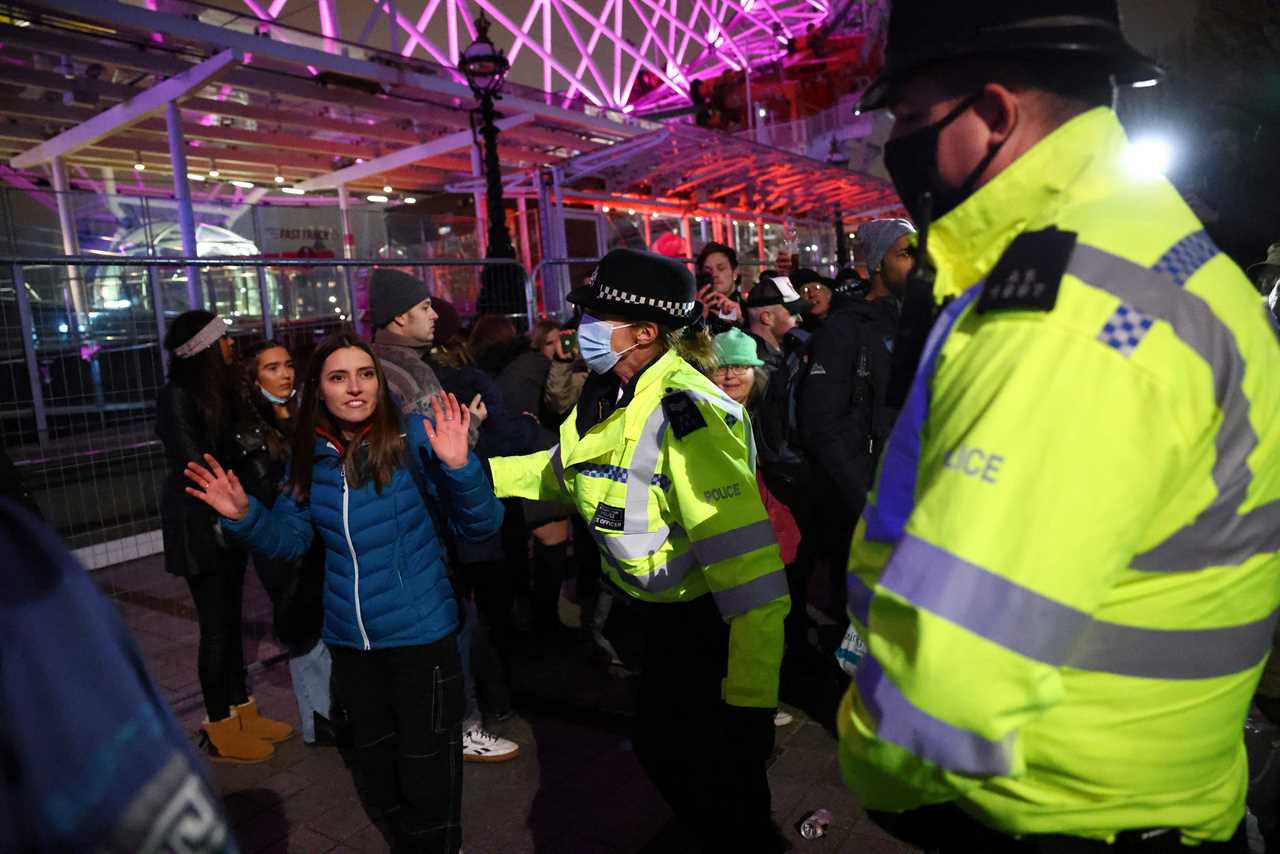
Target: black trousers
point(405, 706)
point(713, 787)
point(489, 584)
point(945, 829)
point(218, 596)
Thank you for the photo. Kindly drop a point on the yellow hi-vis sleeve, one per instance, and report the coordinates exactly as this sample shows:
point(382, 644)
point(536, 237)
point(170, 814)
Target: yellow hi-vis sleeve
point(535, 476)
point(1043, 459)
point(717, 502)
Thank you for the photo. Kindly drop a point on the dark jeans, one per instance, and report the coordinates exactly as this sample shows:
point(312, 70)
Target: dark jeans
point(490, 584)
point(680, 740)
point(405, 706)
point(220, 660)
point(945, 829)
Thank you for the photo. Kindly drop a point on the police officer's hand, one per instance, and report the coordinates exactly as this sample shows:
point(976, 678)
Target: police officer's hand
point(220, 489)
point(749, 732)
point(449, 434)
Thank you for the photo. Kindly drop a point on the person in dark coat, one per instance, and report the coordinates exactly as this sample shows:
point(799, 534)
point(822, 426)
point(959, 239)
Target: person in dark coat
point(266, 413)
point(719, 287)
point(193, 418)
point(844, 416)
point(94, 759)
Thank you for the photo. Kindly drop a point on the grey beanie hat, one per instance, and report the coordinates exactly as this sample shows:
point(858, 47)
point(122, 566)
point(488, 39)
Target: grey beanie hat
point(392, 293)
point(877, 238)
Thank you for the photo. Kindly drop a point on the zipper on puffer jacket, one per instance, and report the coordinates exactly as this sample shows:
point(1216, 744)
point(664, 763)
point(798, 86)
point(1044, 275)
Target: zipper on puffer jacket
point(355, 561)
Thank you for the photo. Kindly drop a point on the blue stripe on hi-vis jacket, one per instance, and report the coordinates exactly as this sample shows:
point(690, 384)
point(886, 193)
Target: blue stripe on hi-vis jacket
point(682, 414)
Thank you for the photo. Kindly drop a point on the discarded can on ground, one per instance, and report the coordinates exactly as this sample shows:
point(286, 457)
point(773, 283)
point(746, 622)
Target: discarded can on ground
point(815, 826)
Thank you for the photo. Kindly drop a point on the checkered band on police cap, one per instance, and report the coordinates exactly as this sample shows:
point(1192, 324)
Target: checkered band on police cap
point(675, 308)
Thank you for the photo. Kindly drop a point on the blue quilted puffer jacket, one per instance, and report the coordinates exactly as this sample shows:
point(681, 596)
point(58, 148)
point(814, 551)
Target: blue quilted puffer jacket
point(385, 582)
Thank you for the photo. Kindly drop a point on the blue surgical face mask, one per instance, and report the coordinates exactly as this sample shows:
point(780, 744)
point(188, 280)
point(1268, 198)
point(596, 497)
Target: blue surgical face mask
point(276, 399)
point(595, 342)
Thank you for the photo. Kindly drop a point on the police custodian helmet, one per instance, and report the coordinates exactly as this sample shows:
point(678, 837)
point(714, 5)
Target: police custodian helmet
point(925, 32)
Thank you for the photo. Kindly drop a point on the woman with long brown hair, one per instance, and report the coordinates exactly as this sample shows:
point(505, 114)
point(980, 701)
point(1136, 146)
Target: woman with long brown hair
point(362, 478)
point(193, 418)
point(266, 416)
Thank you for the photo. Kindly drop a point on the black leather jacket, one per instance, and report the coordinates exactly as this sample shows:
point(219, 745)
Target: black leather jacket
point(193, 542)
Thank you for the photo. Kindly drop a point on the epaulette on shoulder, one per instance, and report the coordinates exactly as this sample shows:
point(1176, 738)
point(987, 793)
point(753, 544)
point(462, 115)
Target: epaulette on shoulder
point(1029, 273)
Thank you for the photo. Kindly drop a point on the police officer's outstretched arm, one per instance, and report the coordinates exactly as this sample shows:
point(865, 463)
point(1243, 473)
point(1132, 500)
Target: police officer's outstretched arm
point(718, 504)
point(536, 476)
point(1032, 493)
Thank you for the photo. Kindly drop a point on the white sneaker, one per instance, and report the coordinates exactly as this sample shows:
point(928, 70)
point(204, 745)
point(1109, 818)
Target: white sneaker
point(781, 718)
point(481, 746)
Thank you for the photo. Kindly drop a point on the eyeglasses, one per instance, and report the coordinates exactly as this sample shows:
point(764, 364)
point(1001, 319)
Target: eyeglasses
point(733, 370)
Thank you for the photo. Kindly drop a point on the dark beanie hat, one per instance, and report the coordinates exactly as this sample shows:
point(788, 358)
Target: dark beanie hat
point(392, 293)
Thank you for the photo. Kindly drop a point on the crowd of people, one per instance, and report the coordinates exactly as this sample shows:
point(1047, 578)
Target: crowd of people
point(1019, 448)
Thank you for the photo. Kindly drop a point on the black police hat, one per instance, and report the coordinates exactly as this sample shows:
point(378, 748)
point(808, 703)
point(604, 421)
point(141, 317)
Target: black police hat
point(924, 32)
point(640, 286)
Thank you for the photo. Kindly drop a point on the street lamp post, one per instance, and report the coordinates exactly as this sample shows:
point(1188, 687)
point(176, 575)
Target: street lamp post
point(486, 69)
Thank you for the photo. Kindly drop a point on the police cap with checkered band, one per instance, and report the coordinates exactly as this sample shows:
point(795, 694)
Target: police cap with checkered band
point(639, 285)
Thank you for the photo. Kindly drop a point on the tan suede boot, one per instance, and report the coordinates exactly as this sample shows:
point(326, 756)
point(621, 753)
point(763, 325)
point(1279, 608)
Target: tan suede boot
point(226, 741)
point(257, 726)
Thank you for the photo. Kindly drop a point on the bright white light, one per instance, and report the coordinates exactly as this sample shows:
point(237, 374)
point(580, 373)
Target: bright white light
point(386, 188)
point(1145, 84)
point(748, 5)
point(293, 191)
point(244, 185)
point(116, 303)
point(631, 211)
point(333, 299)
point(378, 200)
point(63, 328)
point(1149, 156)
point(628, 108)
point(443, 230)
point(762, 112)
point(410, 200)
point(279, 179)
point(195, 176)
point(140, 166)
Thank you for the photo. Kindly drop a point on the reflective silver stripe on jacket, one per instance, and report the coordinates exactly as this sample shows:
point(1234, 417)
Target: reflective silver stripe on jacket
point(761, 590)
point(1220, 535)
point(1033, 625)
point(735, 543)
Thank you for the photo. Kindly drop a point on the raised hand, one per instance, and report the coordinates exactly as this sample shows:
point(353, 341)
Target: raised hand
point(448, 435)
point(478, 410)
point(220, 489)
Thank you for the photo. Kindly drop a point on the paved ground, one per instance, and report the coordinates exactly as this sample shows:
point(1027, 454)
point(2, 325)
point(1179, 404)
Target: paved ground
point(575, 789)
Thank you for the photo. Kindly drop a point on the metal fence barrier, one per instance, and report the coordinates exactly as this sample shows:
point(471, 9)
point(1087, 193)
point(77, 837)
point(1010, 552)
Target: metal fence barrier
point(81, 363)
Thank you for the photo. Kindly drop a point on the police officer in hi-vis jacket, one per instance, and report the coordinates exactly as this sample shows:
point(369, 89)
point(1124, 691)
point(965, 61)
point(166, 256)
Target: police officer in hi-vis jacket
point(1067, 571)
point(661, 465)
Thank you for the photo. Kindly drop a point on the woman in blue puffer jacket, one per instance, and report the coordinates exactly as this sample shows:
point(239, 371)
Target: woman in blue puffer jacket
point(374, 487)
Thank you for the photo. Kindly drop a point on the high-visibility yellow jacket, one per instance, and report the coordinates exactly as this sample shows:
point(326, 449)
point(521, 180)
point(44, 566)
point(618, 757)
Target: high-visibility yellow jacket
point(1067, 574)
point(667, 484)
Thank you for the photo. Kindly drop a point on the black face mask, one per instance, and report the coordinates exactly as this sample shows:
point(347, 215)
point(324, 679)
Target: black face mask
point(912, 161)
